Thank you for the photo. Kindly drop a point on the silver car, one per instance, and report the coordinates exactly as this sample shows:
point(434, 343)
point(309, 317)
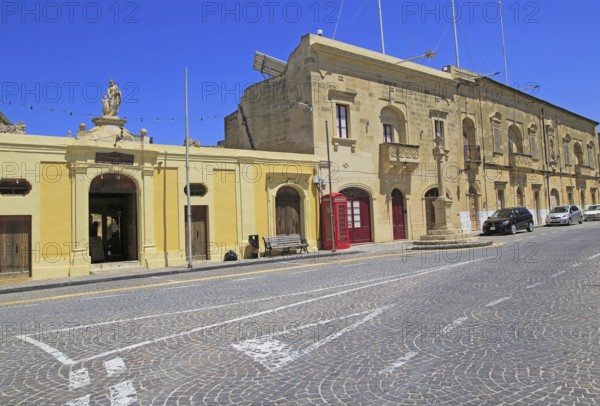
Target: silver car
point(564, 215)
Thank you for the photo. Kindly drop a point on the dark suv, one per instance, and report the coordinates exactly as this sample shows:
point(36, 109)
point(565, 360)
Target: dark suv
point(508, 220)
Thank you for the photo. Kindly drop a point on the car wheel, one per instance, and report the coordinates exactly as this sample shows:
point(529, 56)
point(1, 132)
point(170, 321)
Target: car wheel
point(530, 226)
point(580, 220)
point(570, 223)
point(513, 229)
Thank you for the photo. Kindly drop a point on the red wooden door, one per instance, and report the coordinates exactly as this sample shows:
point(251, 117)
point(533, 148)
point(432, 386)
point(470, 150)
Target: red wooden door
point(398, 216)
point(359, 220)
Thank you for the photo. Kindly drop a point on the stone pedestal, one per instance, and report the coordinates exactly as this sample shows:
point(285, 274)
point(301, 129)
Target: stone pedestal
point(109, 128)
point(444, 236)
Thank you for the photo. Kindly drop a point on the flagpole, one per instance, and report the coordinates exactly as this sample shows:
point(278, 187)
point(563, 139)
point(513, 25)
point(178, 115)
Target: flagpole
point(381, 27)
point(187, 173)
point(503, 43)
point(455, 35)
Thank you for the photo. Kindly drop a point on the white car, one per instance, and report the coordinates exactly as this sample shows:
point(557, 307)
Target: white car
point(592, 213)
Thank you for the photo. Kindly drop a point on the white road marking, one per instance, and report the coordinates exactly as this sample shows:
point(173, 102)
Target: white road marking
point(495, 302)
point(18, 307)
point(558, 274)
point(594, 256)
point(79, 378)
point(183, 287)
point(199, 309)
point(534, 285)
point(247, 279)
point(575, 265)
point(301, 272)
point(99, 297)
point(123, 394)
point(401, 361)
point(274, 354)
point(353, 265)
point(454, 324)
point(82, 401)
point(115, 366)
point(370, 283)
point(50, 350)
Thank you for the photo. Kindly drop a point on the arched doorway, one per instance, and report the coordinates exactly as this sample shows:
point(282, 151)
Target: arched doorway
point(473, 208)
point(113, 219)
point(430, 196)
point(520, 197)
point(554, 199)
point(287, 216)
point(359, 215)
point(398, 218)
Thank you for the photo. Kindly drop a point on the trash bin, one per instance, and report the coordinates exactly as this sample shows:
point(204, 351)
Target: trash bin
point(254, 245)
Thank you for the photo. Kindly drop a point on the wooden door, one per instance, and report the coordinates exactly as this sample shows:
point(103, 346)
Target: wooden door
point(430, 196)
point(398, 215)
point(473, 210)
point(554, 200)
point(199, 232)
point(536, 203)
point(287, 204)
point(359, 220)
point(520, 199)
point(15, 243)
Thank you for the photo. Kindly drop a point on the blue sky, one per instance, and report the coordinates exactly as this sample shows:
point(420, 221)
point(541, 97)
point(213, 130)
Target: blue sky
point(57, 57)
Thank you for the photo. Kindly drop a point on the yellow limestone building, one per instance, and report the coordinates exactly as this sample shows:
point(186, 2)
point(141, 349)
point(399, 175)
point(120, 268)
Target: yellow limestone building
point(383, 114)
point(108, 198)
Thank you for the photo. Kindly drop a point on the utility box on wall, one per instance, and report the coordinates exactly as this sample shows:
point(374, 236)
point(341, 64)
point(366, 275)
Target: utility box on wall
point(340, 222)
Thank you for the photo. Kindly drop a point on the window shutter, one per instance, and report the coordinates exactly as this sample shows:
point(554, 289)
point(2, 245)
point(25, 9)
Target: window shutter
point(497, 140)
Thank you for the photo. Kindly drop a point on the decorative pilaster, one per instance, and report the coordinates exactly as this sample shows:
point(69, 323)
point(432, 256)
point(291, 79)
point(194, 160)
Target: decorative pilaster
point(151, 258)
point(81, 263)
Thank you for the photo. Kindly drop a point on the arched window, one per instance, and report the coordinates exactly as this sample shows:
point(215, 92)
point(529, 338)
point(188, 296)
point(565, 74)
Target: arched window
point(515, 140)
point(394, 125)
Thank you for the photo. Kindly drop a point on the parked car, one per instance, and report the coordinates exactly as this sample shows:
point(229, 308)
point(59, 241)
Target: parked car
point(564, 215)
point(592, 213)
point(508, 220)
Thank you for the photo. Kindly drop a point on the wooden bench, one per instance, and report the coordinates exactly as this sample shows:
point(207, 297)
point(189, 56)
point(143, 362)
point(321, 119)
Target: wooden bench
point(284, 242)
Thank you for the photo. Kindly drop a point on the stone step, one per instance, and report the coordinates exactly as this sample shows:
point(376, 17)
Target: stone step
point(445, 237)
point(446, 242)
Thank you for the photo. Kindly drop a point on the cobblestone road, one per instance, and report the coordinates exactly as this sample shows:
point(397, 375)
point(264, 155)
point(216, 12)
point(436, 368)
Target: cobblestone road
point(515, 323)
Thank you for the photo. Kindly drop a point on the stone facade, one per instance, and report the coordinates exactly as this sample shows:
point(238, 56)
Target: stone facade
point(505, 147)
point(108, 198)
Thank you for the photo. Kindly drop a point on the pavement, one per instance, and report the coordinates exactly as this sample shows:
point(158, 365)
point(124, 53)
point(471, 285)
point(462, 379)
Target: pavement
point(116, 274)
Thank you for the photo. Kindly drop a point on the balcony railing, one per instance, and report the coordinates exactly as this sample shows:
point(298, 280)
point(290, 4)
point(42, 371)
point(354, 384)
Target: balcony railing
point(522, 162)
point(472, 153)
point(399, 156)
point(584, 171)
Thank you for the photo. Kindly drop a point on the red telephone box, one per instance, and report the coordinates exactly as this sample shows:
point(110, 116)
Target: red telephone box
point(340, 222)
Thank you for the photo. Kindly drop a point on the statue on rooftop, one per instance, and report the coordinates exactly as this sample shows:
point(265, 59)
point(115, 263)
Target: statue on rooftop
point(110, 106)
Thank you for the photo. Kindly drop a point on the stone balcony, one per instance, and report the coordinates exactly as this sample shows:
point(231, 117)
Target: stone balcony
point(522, 162)
point(583, 171)
point(398, 157)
